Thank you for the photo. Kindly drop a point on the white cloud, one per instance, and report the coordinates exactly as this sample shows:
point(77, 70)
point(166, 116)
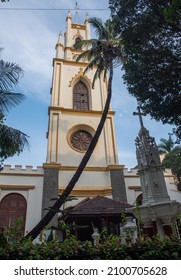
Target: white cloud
point(31, 45)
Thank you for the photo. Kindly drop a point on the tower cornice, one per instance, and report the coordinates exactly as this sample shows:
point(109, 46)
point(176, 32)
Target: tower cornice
point(73, 111)
point(70, 62)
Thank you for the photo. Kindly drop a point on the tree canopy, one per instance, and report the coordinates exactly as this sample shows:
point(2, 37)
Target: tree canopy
point(151, 33)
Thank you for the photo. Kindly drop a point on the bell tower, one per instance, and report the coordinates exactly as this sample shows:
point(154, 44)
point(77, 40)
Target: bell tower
point(74, 114)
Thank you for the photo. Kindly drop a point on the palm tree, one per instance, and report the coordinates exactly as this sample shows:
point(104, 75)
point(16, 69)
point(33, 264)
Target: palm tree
point(104, 53)
point(172, 157)
point(12, 141)
point(172, 160)
point(166, 145)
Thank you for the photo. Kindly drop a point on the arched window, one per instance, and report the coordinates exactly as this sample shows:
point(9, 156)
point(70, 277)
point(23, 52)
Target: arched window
point(12, 207)
point(77, 40)
point(139, 199)
point(80, 96)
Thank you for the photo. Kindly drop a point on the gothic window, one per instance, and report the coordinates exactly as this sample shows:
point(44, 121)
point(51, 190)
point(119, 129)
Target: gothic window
point(12, 207)
point(80, 96)
point(77, 40)
point(139, 199)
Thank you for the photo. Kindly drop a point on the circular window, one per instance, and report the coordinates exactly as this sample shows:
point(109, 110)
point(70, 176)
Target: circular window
point(80, 140)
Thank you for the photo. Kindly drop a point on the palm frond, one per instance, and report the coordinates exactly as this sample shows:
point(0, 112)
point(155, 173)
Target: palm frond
point(9, 74)
point(9, 99)
point(100, 29)
point(12, 141)
point(91, 64)
point(96, 75)
point(84, 44)
point(105, 75)
point(166, 145)
point(102, 52)
point(83, 56)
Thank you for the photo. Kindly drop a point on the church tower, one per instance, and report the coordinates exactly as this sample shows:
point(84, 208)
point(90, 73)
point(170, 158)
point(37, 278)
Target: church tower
point(74, 114)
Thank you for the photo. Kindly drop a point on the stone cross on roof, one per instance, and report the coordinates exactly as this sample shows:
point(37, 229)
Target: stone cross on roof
point(140, 114)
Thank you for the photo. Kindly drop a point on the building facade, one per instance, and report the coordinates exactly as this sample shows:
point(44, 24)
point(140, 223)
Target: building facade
point(74, 113)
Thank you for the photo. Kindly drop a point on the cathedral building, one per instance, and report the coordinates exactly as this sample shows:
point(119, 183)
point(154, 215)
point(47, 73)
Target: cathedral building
point(74, 114)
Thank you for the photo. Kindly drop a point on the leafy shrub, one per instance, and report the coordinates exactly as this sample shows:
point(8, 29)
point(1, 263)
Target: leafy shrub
point(110, 248)
point(71, 249)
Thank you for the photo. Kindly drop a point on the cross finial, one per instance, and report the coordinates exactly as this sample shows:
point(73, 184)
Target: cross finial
point(140, 114)
point(76, 11)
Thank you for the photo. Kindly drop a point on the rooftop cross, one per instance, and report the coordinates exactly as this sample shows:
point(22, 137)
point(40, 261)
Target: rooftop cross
point(76, 11)
point(140, 114)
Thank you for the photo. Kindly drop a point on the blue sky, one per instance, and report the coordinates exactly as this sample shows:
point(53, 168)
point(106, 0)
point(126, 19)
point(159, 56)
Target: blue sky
point(29, 39)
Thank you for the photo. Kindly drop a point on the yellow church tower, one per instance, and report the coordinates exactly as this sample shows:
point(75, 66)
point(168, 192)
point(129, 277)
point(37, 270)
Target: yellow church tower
point(74, 114)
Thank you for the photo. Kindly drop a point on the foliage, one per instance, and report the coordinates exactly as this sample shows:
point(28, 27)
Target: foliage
point(172, 157)
point(110, 248)
point(166, 145)
point(138, 216)
point(12, 141)
point(15, 232)
point(173, 160)
point(102, 52)
point(151, 33)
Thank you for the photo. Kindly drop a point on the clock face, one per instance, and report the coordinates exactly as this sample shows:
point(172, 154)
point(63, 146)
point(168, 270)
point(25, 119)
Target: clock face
point(80, 140)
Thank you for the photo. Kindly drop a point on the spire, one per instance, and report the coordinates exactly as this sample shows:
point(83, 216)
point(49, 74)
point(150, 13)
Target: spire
point(86, 18)
point(59, 46)
point(68, 15)
point(68, 35)
point(87, 24)
point(59, 42)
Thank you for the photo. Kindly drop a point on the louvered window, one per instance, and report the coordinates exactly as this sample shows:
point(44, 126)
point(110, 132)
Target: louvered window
point(80, 96)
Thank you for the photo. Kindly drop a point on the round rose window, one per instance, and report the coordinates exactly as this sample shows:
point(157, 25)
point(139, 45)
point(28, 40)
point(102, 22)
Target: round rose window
point(80, 140)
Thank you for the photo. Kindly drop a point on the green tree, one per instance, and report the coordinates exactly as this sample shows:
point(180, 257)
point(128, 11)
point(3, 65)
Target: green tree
point(12, 141)
point(151, 32)
point(103, 53)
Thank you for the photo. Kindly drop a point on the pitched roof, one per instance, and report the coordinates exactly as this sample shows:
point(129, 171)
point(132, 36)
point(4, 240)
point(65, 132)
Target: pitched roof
point(99, 206)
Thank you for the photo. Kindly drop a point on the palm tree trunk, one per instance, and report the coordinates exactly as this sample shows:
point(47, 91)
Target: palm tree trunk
point(50, 214)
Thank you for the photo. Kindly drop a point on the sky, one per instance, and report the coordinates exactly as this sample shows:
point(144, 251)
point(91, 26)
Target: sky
point(28, 38)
